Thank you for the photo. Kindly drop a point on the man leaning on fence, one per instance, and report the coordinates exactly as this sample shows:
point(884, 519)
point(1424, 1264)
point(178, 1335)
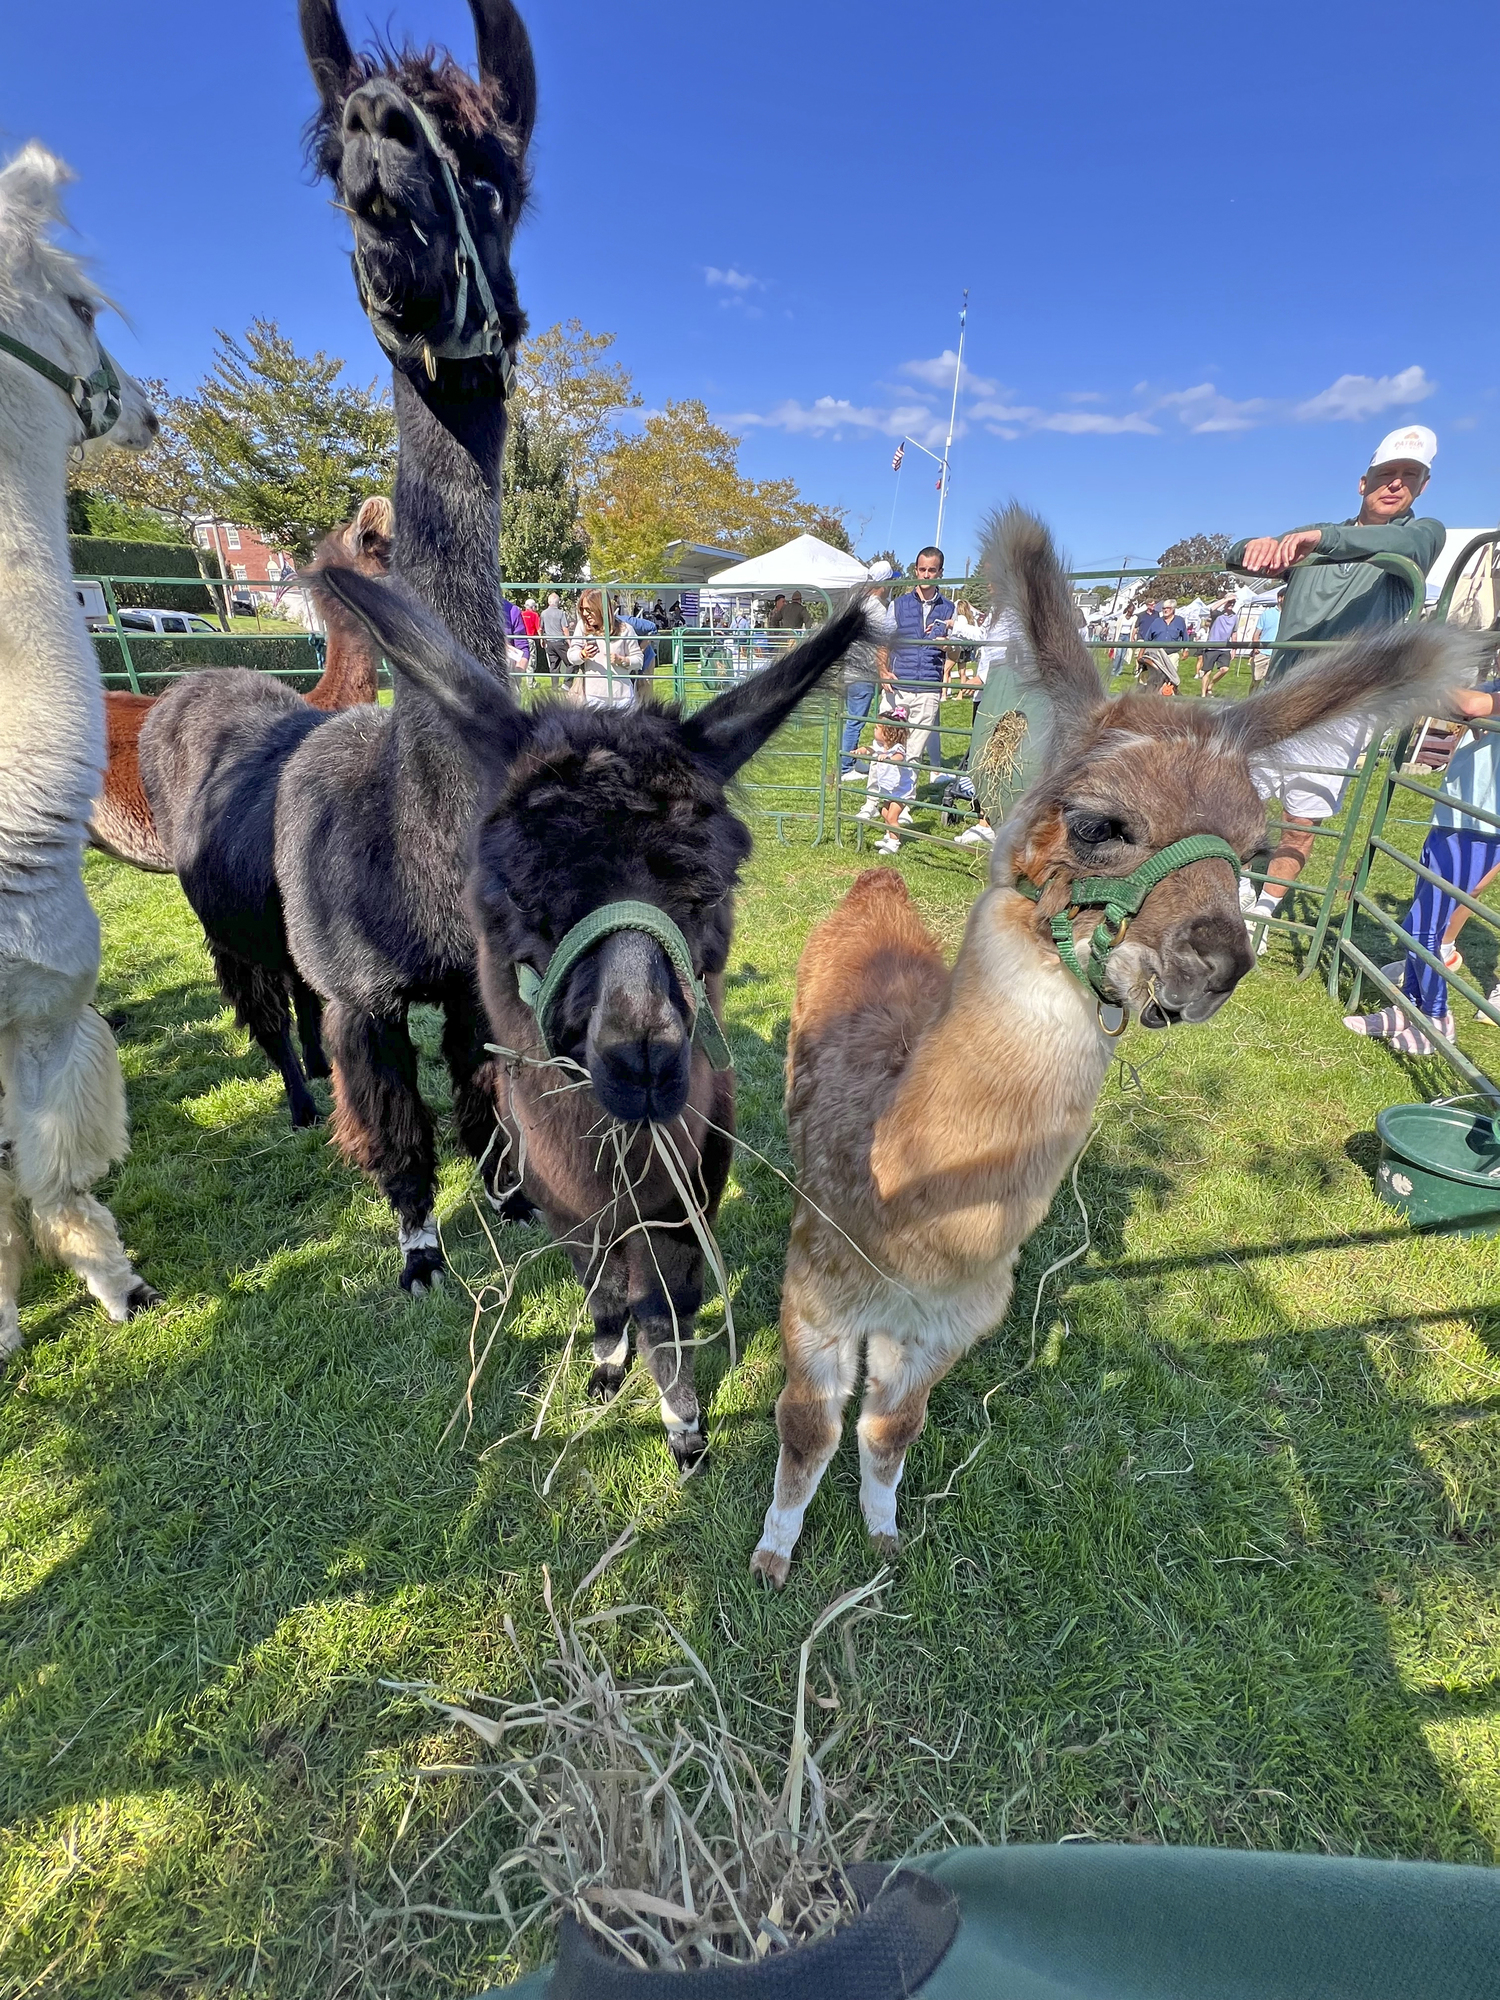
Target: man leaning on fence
point(1340, 593)
point(915, 665)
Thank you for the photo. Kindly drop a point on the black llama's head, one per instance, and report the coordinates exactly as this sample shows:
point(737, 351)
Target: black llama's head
point(431, 167)
point(581, 808)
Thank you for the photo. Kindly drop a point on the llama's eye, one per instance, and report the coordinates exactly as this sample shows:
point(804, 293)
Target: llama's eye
point(84, 309)
point(490, 192)
point(1095, 830)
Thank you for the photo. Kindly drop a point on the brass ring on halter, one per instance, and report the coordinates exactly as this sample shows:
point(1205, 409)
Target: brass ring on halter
point(1114, 1034)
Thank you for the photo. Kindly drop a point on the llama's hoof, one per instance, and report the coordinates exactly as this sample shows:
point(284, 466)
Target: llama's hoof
point(770, 1567)
point(422, 1272)
point(886, 1546)
point(687, 1447)
point(117, 1020)
point(141, 1298)
point(517, 1206)
point(606, 1382)
point(304, 1113)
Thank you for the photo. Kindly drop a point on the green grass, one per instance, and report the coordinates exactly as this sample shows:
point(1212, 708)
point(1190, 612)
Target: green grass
point(1225, 1570)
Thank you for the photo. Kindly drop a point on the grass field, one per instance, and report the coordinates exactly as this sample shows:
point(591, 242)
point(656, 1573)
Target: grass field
point(1225, 1570)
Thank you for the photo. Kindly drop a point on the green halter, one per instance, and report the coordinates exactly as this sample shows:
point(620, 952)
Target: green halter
point(1121, 897)
point(541, 991)
point(489, 337)
point(80, 390)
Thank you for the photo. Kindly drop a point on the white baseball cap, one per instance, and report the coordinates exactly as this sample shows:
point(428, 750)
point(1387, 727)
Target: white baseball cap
point(1415, 442)
point(880, 571)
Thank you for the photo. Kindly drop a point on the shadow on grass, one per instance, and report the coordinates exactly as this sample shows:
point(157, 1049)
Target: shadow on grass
point(1154, 1607)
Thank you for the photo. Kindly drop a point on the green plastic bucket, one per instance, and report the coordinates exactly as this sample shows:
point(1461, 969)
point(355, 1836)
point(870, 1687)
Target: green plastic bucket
point(1440, 1165)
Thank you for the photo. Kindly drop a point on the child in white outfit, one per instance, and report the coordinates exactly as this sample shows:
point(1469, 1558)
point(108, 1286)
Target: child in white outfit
point(892, 781)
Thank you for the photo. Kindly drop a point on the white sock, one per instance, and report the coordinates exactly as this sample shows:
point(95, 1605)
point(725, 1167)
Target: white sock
point(1263, 906)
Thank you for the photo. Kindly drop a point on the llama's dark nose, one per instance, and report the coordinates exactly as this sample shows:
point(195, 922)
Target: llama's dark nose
point(377, 110)
point(639, 1051)
point(1202, 965)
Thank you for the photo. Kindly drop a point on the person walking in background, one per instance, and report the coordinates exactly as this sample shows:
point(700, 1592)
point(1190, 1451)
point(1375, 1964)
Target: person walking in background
point(776, 616)
point(916, 658)
point(644, 628)
point(1331, 600)
point(531, 619)
point(794, 618)
point(1216, 661)
point(553, 627)
point(1162, 632)
point(1465, 851)
point(607, 666)
point(862, 669)
point(1267, 628)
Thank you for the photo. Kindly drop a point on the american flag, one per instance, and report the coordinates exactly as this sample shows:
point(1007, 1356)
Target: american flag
point(900, 453)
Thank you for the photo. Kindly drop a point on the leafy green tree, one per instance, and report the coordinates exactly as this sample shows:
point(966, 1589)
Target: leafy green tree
point(564, 385)
point(1190, 568)
point(284, 444)
point(541, 536)
point(152, 495)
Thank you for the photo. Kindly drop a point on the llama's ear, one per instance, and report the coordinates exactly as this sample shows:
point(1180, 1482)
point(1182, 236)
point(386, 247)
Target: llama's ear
point(1027, 576)
point(505, 59)
point(1392, 676)
point(372, 530)
point(727, 733)
point(329, 55)
point(421, 649)
point(31, 187)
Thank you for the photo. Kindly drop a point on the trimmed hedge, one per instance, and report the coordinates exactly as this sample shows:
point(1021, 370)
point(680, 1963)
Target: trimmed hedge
point(98, 555)
point(297, 660)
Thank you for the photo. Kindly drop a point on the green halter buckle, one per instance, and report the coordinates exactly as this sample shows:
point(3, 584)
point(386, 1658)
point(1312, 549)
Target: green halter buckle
point(1121, 897)
point(80, 390)
point(489, 337)
point(541, 991)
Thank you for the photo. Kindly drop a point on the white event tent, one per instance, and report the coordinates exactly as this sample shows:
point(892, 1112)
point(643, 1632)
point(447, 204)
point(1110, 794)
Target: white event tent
point(804, 563)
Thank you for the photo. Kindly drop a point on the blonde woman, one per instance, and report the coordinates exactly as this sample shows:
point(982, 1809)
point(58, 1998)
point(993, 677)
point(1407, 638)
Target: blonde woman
point(605, 667)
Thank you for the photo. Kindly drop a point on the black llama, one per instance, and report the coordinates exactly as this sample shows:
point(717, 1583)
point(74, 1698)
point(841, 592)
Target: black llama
point(211, 750)
point(580, 809)
point(375, 809)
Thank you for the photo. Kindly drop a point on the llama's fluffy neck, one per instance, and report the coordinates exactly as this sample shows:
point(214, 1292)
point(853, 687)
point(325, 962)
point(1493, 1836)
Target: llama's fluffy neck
point(994, 1102)
point(51, 698)
point(447, 542)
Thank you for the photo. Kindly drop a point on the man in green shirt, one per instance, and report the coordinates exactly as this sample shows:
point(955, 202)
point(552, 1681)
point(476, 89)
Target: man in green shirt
point(1332, 599)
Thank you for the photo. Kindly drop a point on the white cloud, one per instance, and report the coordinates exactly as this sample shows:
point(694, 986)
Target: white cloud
point(737, 281)
point(938, 374)
point(1204, 410)
point(1095, 423)
point(1354, 397)
point(836, 413)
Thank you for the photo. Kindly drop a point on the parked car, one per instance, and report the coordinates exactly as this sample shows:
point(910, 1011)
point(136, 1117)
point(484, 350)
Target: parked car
point(165, 621)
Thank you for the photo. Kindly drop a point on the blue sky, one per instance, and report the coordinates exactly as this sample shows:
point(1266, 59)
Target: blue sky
point(1211, 258)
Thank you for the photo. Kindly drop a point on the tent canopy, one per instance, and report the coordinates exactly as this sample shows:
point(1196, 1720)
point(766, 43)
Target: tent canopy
point(800, 564)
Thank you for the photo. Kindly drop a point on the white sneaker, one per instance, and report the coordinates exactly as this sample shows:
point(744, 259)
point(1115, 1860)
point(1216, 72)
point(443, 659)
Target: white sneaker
point(904, 817)
point(853, 776)
point(1493, 996)
point(890, 845)
point(868, 810)
point(975, 836)
point(1248, 892)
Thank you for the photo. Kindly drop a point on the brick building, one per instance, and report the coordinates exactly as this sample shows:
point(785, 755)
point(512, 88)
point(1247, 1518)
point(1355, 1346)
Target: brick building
point(244, 555)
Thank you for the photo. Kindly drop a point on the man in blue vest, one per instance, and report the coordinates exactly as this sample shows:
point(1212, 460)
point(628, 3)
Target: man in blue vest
point(912, 670)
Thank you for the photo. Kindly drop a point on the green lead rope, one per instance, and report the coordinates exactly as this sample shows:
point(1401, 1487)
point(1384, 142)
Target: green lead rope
point(541, 991)
point(1121, 897)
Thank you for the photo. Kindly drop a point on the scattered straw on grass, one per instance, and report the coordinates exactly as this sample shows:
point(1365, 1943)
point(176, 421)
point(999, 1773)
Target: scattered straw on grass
point(640, 1814)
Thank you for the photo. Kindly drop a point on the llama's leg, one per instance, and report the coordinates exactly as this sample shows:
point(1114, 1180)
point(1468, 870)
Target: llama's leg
point(382, 1125)
point(897, 1386)
point(475, 1112)
point(259, 1000)
point(12, 1247)
point(65, 1117)
point(666, 1290)
point(609, 1305)
point(309, 1011)
point(821, 1364)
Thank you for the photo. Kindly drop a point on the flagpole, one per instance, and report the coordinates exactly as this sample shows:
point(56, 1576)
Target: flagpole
point(958, 365)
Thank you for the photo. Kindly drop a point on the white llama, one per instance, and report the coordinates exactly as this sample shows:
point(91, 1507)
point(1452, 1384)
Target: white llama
point(62, 1098)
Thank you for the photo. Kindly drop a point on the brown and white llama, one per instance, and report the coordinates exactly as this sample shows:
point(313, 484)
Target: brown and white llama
point(122, 824)
point(932, 1114)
